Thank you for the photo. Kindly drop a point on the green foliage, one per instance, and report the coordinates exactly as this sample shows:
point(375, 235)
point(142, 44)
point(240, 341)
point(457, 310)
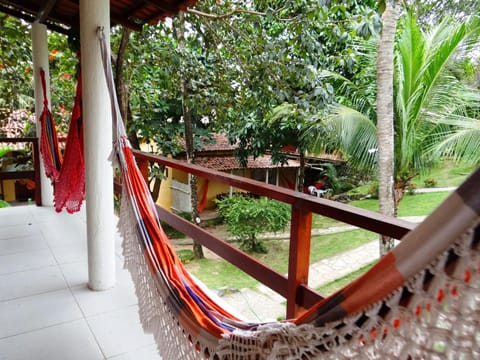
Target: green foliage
point(173, 233)
point(185, 255)
point(4, 204)
point(16, 91)
point(373, 189)
point(16, 70)
point(430, 182)
point(247, 218)
point(436, 114)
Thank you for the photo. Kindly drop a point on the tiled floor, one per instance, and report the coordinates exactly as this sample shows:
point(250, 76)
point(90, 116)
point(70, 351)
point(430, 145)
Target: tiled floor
point(46, 310)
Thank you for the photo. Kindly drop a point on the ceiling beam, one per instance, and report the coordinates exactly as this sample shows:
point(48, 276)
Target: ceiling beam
point(45, 11)
point(30, 18)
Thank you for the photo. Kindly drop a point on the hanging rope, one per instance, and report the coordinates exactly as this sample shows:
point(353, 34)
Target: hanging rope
point(419, 301)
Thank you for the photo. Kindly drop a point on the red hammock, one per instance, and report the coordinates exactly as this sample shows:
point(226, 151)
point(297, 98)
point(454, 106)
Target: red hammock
point(67, 175)
point(51, 155)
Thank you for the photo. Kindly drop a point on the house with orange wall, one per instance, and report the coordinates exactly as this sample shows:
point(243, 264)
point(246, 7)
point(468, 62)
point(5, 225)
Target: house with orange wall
point(217, 153)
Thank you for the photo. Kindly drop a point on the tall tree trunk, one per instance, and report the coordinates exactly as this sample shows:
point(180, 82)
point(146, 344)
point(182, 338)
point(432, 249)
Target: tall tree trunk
point(385, 117)
point(187, 119)
point(301, 175)
point(121, 86)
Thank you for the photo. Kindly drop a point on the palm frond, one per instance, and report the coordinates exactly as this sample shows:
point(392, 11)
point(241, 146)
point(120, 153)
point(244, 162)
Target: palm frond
point(353, 133)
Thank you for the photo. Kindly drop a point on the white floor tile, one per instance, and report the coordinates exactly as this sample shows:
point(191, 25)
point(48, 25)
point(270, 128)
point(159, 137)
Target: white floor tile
point(26, 283)
point(119, 332)
point(35, 312)
point(75, 274)
point(26, 261)
point(61, 228)
point(14, 216)
point(13, 231)
point(22, 244)
point(146, 353)
point(72, 253)
point(99, 302)
point(69, 341)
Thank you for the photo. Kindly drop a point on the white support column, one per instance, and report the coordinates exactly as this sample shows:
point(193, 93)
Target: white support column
point(97, 120)
point(40, 61)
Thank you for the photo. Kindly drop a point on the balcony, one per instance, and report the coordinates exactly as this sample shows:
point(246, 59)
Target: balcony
point(46, 308)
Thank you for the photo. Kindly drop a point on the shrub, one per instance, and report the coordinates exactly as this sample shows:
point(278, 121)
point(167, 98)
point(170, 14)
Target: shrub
point(246, 218)
point(373, 190)
point(173, 233)
point(411, 188)
point(430, 182)
point(185, 255)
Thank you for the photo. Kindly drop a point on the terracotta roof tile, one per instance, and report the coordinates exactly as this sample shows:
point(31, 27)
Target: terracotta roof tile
point(225, 163)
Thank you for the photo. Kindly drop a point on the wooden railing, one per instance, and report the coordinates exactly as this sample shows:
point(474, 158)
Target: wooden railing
point(26, 174)
point(293, 286)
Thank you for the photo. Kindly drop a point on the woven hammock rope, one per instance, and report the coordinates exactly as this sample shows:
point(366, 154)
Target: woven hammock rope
point(420, 301)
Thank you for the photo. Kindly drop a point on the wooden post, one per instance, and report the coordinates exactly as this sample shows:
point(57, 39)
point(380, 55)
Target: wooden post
point(37, 169)
point(299, 258)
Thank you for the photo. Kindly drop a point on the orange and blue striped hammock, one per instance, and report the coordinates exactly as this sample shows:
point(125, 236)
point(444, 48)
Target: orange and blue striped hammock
point(421, 301)
point(66, 173)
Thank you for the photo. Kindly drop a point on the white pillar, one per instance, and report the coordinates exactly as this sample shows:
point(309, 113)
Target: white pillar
point(40, 61)
point(97, 120)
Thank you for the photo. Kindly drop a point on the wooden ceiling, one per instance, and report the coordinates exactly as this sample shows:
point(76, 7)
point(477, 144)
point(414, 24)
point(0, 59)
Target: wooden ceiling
point(62, 15)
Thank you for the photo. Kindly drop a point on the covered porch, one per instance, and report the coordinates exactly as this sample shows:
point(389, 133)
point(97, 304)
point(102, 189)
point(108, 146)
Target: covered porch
point(46, 308)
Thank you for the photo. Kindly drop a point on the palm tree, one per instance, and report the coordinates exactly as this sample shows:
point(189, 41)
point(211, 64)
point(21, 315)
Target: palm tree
point(385, 116)
point(433, 109)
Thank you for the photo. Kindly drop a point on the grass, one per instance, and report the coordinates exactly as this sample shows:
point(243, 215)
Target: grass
point(447, 173)
point(4, 204)
point(217, 273)
point(411, 205)
point(340, 283)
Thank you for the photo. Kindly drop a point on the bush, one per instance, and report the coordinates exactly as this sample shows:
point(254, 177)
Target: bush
point(430, 182)
point(247, 218)
point(173, 233)
point(373, 190)
point(411, 188)
point(185, 255)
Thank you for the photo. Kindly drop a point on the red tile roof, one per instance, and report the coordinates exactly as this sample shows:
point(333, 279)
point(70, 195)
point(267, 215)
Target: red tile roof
point(225, 163)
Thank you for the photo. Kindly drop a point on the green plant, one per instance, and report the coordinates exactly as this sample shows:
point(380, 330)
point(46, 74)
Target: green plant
point(373, 190)
point(4, 204)
point(185, 255)
point(247, 218)
point(430, 182)
point(173, 233)
point(411, 188)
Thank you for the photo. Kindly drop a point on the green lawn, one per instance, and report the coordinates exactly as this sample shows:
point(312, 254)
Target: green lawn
point(219, 273)
point(340, 283)
point(446, 174)
point(411, 205)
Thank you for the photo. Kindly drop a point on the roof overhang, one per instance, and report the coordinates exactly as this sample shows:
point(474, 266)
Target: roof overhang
point(63, 15)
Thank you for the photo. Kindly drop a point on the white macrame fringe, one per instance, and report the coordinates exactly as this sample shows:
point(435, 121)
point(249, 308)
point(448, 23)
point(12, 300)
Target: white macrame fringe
point(447, 329)
point(155, 316)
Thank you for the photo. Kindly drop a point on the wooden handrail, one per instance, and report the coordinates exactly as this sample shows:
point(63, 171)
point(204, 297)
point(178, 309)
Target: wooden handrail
point(35, 174)
point(293, 286)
